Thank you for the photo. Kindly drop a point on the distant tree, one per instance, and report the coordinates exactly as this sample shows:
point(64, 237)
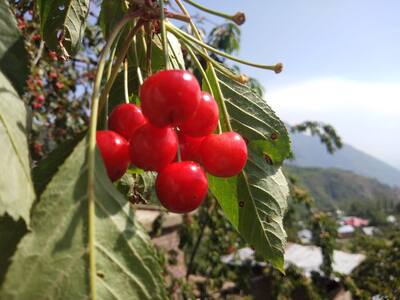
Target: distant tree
point(57, 90)
point(379, 274)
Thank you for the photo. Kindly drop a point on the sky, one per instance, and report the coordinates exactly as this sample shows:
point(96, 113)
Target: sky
point(341, 64)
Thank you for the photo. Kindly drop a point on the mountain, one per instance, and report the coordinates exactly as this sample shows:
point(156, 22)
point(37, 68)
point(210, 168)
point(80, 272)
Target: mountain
point(309, 152)
point(334, 188)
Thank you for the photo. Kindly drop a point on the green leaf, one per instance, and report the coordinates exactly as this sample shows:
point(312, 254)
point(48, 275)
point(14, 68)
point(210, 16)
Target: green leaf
point(255, 203)
point(264, 191)
point(146, 186)
point(117, 92)
point(226, 192)
point(63, 23)
point(13, 56)
point(174, 52)
point(52, 260)
point(139, 186)
point(251, 116)
point(11, 233)
point(16, 189)
point(47, 167)
point(111, 12)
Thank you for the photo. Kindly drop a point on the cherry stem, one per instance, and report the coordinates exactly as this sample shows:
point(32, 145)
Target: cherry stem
point(227, 72)
point(135, 54)
point(164, 35)
point(224, 70)
point(120, 58)
point(149, 48)
point(184, 35)
point(219, 127)
point(103, 123)
point(224, 109)
point(91, 154)
point(204, 76)
point(219, 97)
point(200, 68)
point(211, 11)
point(126, 88)
point(143, 38)
point(178, 153)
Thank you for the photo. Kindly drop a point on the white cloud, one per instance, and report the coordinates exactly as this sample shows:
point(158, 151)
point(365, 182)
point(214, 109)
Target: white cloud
point(366, 115)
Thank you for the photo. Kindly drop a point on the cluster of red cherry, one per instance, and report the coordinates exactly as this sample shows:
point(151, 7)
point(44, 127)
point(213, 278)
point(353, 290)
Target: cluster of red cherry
point(174, 113)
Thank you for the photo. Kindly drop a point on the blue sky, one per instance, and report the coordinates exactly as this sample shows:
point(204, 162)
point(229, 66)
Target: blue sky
point(342, 64)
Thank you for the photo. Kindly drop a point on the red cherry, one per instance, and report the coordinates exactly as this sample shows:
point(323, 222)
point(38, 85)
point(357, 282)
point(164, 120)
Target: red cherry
point(36, 37)
point(30, 83)
point(181, 186)
point(125, 119)
point(36, 105)
point(115, 152)
point(205, 118)
point(152, 148)
point(38, 148)
point(59, 85)
point(169, 97)
point(223, 155)
point(39, 82)
point(53, 75)
point(53, 55)
point(21, 23)
point(190, 147)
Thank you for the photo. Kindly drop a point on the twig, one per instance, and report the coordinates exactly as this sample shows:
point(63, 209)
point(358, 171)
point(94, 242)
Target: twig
point(196, 247)
point(175, 16)
point(39, 54)
point(199, 238)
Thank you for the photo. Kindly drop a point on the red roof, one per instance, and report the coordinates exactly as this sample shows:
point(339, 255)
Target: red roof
point(356, 222)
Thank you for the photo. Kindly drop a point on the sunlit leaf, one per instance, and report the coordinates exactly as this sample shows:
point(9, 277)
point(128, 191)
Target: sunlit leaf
point(255, 203)
point(13, 56)
point(52, 260)
point(255, 200)
point(251, 116)
point(16, 189)
point(63, 23)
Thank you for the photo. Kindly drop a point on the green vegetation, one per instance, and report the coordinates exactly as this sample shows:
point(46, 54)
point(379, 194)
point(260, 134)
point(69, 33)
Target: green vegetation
point(338, 189)
point(379, 274)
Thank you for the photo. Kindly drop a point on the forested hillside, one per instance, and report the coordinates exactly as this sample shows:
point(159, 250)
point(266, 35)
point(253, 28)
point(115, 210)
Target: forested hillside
point(339, 189)
point(309, 152)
